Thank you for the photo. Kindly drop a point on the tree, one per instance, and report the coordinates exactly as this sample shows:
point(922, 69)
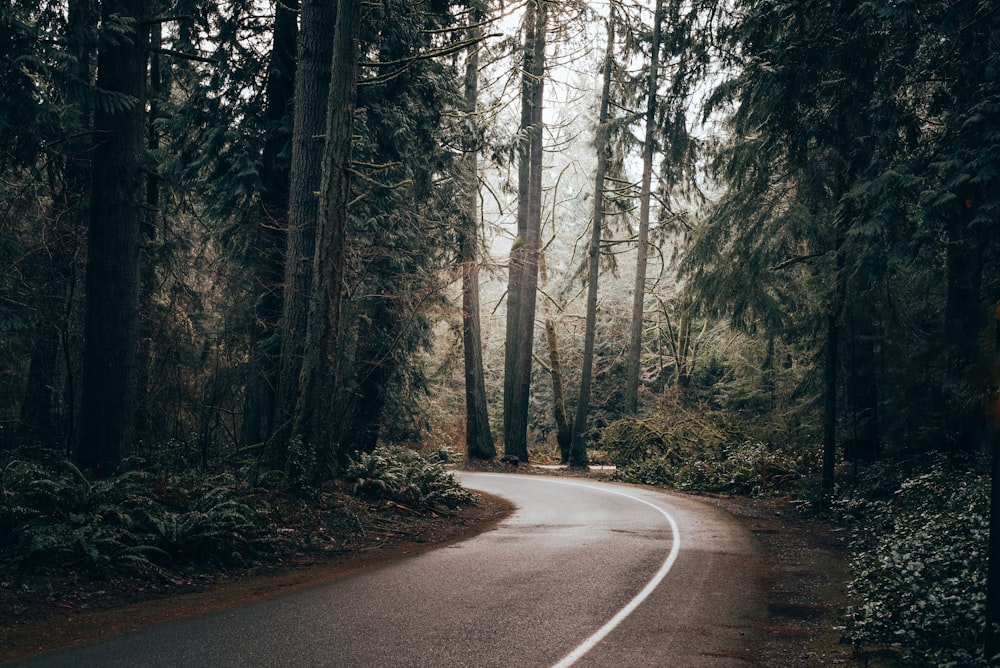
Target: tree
point(645, 196)
point(312, 81)
point(113, 254)
point(523, 277)
point(322, 346)
point(268, 231)
point(578, 446)
point(478, 435)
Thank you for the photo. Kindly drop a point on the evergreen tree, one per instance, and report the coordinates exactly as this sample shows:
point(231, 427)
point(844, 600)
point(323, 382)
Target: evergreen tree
point(523, 269)
point(577, 455)
point(113, 254)
point(478, 434)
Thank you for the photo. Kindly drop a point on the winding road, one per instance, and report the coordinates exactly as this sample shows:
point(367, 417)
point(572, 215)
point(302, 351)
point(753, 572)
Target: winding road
point(583, 573)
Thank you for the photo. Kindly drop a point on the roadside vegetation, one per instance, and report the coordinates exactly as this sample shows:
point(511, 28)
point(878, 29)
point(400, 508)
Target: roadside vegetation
point(160, 520)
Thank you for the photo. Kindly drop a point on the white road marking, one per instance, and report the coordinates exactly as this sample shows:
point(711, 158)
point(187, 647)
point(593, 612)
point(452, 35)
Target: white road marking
point(636, 601)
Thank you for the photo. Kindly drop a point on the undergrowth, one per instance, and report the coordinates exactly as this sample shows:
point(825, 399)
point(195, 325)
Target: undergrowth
point(156, 520)
point(691, 452)
point(919, 563)
point(55, 515)
point(401, 475)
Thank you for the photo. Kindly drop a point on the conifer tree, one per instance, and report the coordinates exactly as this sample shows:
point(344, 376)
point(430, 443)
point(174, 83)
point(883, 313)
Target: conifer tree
point(523, 277)
point(113, 254)
point(478, 435)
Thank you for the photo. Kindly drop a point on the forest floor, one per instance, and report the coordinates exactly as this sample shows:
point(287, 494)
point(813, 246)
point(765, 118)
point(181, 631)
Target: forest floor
point(804, 560)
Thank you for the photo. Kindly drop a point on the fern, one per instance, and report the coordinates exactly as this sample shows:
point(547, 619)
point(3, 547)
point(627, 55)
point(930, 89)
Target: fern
point(56, 516)
point(402, 475)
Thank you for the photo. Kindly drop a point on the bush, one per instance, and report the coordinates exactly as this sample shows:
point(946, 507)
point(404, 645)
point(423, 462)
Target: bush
point(683, 436)
point(53, 514)
point(749, 468)
point(919, 562)
point(401, 475)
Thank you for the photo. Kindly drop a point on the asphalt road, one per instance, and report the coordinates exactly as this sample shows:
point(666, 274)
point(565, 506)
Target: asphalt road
point(583, 573)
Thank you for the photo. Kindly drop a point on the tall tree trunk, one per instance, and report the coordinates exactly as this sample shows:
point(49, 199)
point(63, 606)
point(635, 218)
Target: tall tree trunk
point(862, 392)
point(478, 435)
point(374, 370)
point(830, 370)
point(523, 280)
point(645, 195)
point(578, 445)
point(269, 235)
point(113, 254)
point(318, 390)
point(312, 83)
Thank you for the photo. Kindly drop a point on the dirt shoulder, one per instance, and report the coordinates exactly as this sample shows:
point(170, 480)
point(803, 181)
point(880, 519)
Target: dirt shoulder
point(46, 611)
point(808, 562)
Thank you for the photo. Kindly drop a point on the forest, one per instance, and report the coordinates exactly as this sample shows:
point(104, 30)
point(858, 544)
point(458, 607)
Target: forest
point(735, 246)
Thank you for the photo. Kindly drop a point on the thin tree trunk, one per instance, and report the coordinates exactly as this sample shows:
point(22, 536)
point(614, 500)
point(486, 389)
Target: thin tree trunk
point(862, 392)
point(645, 195)
point(523, 280)
point(578, 445)
point(830, 370)
point(564, 430)
point(312, 83)
point(145, 413)
point(113, 259)
point(318, 390)
point(478, 435)
point(40, 419)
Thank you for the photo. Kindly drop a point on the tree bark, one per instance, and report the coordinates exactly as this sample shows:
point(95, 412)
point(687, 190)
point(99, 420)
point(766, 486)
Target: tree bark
point(645, 195)
point(578, 444)
point(318, 389)
point(523, 279)
point(41, 421)
point(113, 254)
point(862, 392)
point(269, 235)
point(312, 83)
point(478, 435)
point(564, 431)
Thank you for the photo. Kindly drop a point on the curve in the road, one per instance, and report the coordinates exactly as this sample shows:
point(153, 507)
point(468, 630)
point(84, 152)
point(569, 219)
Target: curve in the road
point(653, 583)
point(568, 561)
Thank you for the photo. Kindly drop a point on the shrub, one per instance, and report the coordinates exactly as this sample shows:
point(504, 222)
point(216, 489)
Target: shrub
point(683, 436)
point(53, 514)
point(398, 474)
point(919, 562)
point(750, 468)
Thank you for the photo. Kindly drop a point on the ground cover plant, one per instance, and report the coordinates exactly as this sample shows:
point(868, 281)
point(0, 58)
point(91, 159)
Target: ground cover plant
point(919, 557)
point(157, 520)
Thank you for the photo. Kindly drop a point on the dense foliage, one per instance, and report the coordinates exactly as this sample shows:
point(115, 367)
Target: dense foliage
point(159, 520)
point(55, 515)
point(919, 553)
point(402, 475)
